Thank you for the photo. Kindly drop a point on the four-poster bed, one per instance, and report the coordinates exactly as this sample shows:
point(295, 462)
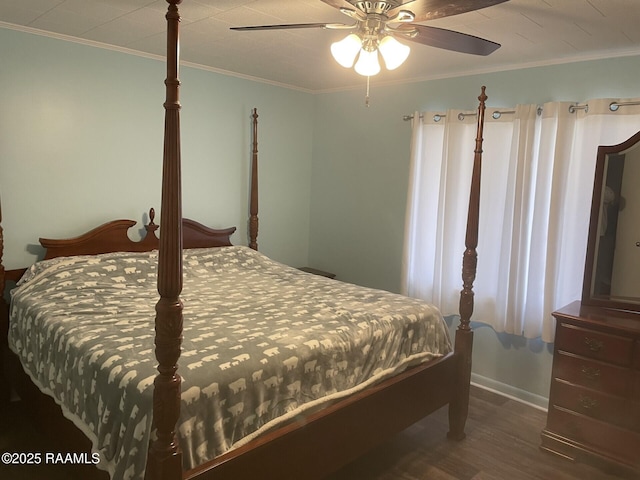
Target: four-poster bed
point(312, 442)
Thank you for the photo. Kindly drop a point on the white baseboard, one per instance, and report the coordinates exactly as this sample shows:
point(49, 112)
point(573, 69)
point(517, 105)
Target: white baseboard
point(511, 392)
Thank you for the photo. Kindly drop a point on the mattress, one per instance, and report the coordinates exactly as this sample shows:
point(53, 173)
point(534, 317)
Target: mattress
point(263, 343)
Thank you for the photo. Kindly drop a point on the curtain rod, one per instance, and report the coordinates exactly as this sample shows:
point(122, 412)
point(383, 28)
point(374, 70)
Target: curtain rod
point(613, 106)
point(496, 114)
point(461, 116)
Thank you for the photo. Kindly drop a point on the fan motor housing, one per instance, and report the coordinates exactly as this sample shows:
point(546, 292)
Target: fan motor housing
point(380, 8)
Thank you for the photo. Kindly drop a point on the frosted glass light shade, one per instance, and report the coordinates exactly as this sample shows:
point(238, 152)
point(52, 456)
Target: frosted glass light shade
point(393, 52)
point(367, 64)
point(345, 50)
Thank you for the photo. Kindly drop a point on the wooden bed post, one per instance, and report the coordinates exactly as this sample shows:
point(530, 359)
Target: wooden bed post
point(459, 408)
point(253, 209)
point(5, 388)
point(2, 282)
point(164, 461)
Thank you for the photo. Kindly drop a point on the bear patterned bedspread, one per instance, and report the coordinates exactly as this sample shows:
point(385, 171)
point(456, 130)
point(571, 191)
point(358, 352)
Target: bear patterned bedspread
point(263, 342)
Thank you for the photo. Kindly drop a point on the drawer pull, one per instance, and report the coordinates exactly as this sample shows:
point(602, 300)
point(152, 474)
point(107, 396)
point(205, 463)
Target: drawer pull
point(591, 373)
point(593, 344)
point(587, 402)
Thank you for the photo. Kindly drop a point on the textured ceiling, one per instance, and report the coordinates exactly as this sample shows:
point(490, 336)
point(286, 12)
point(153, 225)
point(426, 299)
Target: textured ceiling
point(532, 32)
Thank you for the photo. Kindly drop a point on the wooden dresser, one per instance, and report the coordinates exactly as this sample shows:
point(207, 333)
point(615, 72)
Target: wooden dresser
point(594, 402)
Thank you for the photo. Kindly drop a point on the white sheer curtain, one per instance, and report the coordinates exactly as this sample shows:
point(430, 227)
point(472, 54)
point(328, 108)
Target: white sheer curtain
point(537, 179)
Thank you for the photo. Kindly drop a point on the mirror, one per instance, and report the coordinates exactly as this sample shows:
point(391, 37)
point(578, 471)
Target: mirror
point(612, 268)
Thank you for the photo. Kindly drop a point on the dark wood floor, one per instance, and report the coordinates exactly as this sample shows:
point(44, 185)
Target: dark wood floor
point(502, 444)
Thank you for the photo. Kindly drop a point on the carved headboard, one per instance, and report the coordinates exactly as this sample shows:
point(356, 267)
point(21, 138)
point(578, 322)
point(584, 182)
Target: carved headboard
point(112, 237)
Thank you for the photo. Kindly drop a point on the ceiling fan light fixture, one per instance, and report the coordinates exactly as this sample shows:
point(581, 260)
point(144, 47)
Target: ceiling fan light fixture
point(368, 64)
point(393, 52)
point(346, 50)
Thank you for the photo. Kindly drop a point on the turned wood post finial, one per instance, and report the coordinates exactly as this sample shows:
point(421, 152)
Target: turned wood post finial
point(483, 96)
point(151, 227)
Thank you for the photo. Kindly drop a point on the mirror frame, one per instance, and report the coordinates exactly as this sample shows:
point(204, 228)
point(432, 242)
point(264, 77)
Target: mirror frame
point(589, 266)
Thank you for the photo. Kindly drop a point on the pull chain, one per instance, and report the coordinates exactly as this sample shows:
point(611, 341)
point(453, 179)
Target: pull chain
point(366, 99)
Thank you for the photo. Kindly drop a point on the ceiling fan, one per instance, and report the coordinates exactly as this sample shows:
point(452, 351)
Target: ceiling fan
point(379, 24)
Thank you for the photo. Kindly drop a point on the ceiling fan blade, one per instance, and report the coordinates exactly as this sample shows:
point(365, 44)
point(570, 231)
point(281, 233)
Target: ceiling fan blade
point(289, 26)
point(448, 39)
point(432, 9)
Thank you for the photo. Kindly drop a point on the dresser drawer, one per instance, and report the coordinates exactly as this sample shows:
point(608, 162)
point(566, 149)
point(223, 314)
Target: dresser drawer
point(598, 436)
point(593, 344)
point(592, 403)
point(636, 356)
point(596, 375)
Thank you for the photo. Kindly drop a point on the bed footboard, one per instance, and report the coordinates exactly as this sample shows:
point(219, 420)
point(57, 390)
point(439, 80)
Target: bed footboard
point(319, 444)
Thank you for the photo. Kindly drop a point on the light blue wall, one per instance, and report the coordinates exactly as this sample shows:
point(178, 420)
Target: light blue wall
point(81, 143)
point(81, 133)
point(360, 179)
